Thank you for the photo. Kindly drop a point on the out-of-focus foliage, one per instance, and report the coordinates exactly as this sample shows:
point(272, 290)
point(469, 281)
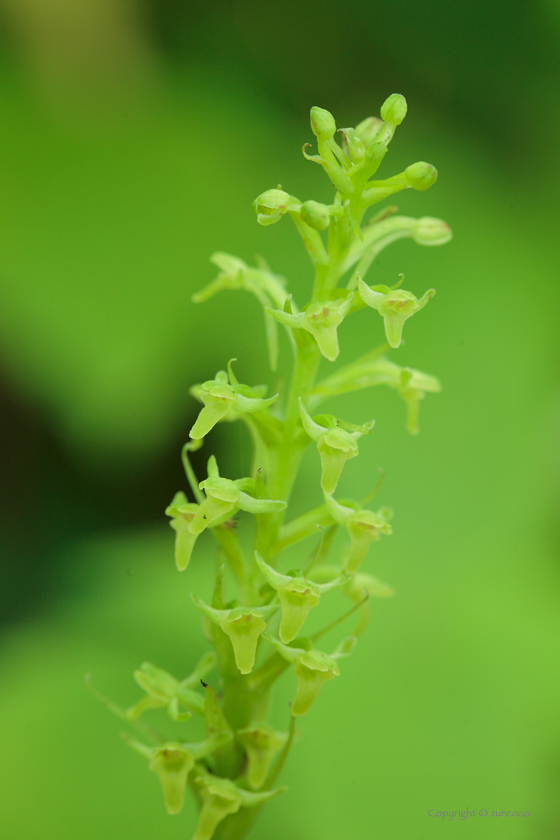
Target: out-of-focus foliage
point(135, 137)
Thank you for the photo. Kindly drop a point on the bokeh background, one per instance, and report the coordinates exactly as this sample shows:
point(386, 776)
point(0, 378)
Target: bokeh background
point(135, 134)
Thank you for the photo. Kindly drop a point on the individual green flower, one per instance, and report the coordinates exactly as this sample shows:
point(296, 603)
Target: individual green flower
point(267, 287)
point(375, 369)
point(221, 797)
point(335, 443)
point(395, 305)
point(182, 513)
point(224, 397)
point(361, 584)
point(364, 527)
point(243, 625)
point(418, 176)
point(312, 668)
point(173, 762)
point(224, 497)
point(163, 690)
point(297, 596)
point(380, 233)
point(261, 743)
point(321, 319)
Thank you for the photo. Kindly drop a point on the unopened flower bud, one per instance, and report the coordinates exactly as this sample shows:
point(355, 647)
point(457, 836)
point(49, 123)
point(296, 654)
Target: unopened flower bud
point(420, 175)
point(394, 109)
point(315, 215)
point(430, 231)
point(270, 206)
point(368, 129)
point(352, 145)
point(323, 125)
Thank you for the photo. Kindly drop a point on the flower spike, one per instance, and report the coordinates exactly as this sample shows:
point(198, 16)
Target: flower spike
point(243, 625)
point(321, 320)
point(395, 305)
point(335, 444)
point(297, 596)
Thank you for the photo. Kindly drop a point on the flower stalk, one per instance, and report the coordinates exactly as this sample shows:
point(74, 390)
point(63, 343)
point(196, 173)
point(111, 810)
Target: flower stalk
point(258, 628)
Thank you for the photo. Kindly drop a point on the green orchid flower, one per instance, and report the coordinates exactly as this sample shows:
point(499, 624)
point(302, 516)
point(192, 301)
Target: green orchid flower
point(312, 668)
point(394, 305)
point(221, 797)
point(336, 442)
point(224, 398)
point(173, 762)
point(261, 743)
point(182, 513)
point(224, 497)
point(243, 625)
point(297, 595)
point(364, 527)
point(163, 690)
point(321, 319)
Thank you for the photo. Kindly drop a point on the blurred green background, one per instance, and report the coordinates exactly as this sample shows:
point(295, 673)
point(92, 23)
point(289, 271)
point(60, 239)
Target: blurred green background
point(135, 134)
